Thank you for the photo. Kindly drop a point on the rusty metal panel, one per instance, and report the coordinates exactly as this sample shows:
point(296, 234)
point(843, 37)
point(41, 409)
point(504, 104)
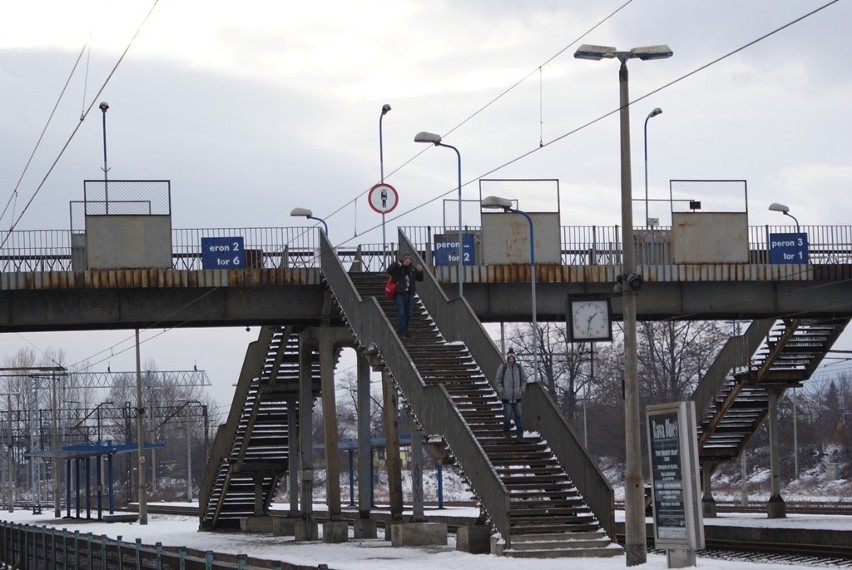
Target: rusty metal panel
point(709, 237)
point(128, 241)
point(506, 238)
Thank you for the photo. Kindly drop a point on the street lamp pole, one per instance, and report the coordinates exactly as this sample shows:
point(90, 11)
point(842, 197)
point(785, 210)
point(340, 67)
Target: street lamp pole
point(384, 195)
point(103, 107)
point(634, 483)
point(652, 114)
point(436, 140)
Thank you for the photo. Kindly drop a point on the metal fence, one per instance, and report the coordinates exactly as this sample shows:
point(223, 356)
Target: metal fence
point(28, 546)
point(297, 247)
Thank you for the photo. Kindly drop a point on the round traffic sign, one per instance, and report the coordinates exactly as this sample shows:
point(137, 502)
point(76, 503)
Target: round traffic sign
point(383, 198)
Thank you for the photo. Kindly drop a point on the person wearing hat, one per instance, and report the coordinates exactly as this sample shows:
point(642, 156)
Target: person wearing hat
point(511, 381)
point(405, 275)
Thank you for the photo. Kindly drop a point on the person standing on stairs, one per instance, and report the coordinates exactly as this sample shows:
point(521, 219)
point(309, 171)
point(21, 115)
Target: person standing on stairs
point(511, 382)
point(405, 276)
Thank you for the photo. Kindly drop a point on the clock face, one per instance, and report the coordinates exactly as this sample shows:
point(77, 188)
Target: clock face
point(590, 319)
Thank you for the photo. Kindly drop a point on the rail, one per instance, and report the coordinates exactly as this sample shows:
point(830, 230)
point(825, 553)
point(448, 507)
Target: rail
point(298, 247)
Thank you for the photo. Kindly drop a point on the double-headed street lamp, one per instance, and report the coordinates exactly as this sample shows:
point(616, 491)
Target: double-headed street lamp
point(305, 213)
point(495, 202)
point(634, 484)
point(432, 138)
point(651, 115)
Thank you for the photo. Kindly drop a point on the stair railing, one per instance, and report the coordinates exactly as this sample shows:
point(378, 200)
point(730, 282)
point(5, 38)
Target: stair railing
point(431, 405)
point(457, 321)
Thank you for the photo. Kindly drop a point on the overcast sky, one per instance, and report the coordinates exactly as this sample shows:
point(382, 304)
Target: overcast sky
point(256, 107)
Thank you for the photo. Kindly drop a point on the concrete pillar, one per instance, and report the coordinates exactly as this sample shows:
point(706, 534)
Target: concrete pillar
point(708, 503)
point(416, 472)
point(306, 404)
point(776, 508)
point(329, 415)
point(392, 459)
point(365, 457)
point(258, 495)
point(293, 455)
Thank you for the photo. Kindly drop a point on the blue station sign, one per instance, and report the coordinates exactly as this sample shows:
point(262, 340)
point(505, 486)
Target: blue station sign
point(788, 248)
point(447, 249)
point(223, 253)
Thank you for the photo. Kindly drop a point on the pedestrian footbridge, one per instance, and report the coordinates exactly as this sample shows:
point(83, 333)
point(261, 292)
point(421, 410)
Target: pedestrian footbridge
point(542, 494)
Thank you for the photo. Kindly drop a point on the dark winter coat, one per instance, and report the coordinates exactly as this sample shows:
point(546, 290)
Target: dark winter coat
point(511, 382)
point(405, 276)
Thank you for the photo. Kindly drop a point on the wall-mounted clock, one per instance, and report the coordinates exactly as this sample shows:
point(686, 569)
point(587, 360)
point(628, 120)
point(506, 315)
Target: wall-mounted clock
point(589, 319)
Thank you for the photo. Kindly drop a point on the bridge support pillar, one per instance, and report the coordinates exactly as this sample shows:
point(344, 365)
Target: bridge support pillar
point(293, 456)
point(392, 459)
point(708, 503)
point(306, 444)
point(775, 508)
point(258, 495)
point(327, 338)
point(365, 451)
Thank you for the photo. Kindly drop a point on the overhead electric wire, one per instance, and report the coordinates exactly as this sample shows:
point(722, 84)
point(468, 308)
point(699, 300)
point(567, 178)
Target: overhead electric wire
point(79, 123)
point(14, 193)
point(543, 145)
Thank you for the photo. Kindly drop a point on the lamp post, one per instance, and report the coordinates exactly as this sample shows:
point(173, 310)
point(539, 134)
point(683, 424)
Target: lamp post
point(103, 107)
point(776, 207)
point(384, 195)
point(505, 204)
point(305, 213)
point(634, 484)
point(98, 417)
point(652, 114)
point(424, 137)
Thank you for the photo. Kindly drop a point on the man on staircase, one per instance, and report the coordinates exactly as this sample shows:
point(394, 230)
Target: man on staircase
point(511, 381)
point(405, 274)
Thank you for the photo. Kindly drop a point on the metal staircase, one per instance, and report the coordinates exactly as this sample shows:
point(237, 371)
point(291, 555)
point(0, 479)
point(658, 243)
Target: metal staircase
point(250, 453)
point(522, 485)
point(789, 354)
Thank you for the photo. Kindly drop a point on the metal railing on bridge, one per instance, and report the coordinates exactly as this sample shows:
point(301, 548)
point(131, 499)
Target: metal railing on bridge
point(297, 247)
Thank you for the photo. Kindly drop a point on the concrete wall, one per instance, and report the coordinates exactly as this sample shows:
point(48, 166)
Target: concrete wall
point(128, 242)
point(506, 238)
point(709, 237)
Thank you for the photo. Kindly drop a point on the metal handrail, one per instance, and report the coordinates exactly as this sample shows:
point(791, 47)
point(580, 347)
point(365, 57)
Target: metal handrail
point(293, 246)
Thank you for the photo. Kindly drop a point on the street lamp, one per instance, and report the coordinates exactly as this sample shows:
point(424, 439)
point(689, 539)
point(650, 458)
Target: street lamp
point(652, 114)
point(424, 137)
point(776, 207)
point(103, 107)
point(305, 213)
point(634, 483)
point(385, 109)
point(495, 202)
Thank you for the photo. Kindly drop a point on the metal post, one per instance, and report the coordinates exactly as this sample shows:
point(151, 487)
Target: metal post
point(103, 107)
point(188, 460)
point(652, 114)
point(385, 109)
point(54, 461)
point(140, 435)
point(634, 483)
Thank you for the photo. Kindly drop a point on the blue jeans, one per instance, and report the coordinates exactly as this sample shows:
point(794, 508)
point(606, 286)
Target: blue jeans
point(509, 410)
point(404, 308)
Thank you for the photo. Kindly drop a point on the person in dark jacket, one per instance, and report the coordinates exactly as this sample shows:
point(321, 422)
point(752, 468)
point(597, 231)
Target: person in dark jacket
point(511, 382)
point(406, 275)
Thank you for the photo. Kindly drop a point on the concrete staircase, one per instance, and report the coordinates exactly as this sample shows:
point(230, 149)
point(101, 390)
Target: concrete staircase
point(785, 355)
point(250, 453)
point(523, 487)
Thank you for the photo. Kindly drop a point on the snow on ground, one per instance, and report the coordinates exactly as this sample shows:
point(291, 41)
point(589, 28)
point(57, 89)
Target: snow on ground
point(378, 554)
